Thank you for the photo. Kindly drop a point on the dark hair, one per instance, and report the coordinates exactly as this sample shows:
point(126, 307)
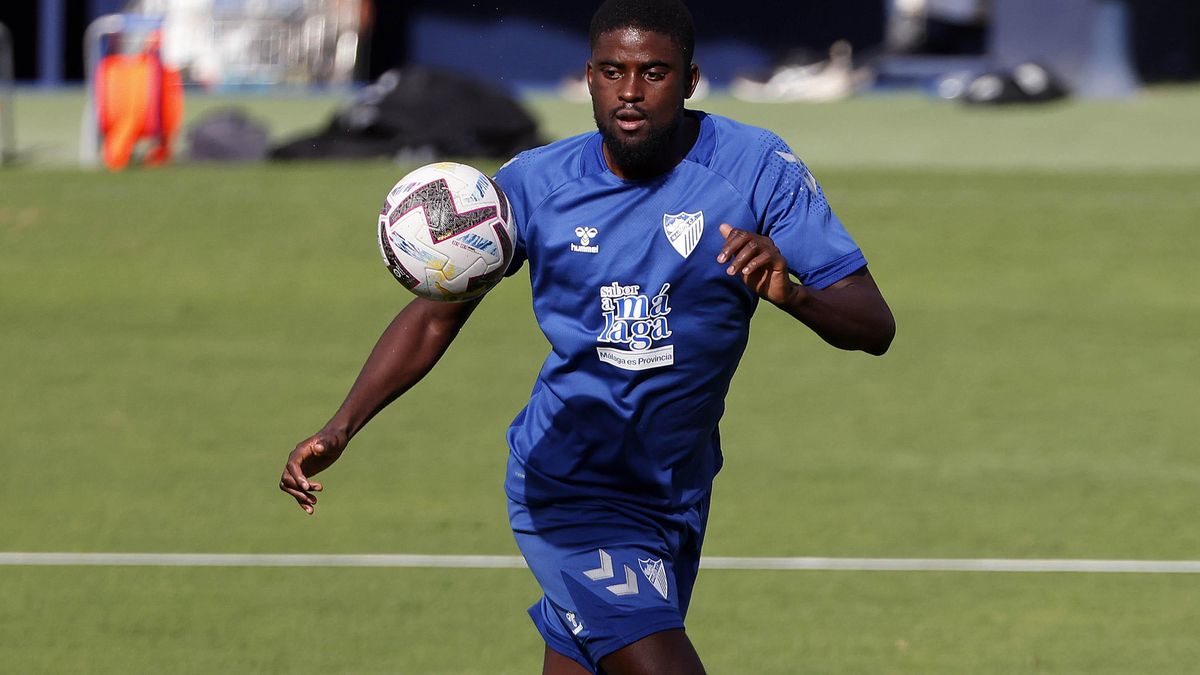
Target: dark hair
point(667, 17)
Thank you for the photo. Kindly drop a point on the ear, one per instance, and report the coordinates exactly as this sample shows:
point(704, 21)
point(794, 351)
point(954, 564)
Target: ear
point(694, 73)
point(588, 76)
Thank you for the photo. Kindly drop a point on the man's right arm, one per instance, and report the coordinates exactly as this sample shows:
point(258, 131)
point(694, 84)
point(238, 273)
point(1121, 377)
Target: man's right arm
point(406, 351)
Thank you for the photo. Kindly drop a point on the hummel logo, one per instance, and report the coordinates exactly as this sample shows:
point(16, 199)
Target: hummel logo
point(585, 235)
point(605, 571)
point(576, 626)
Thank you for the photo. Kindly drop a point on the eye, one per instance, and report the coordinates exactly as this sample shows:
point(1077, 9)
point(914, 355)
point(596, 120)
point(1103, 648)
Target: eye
point(655, 75)
point(610, 73)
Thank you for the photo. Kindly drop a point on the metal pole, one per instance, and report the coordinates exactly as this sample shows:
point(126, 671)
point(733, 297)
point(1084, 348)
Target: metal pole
point(52, 21)
point(1108, 72)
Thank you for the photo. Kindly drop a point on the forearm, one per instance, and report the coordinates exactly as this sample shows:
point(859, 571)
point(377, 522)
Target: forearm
point(851, 314)
point(408, 349)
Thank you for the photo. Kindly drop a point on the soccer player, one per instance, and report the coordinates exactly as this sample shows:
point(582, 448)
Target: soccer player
point(649, 246)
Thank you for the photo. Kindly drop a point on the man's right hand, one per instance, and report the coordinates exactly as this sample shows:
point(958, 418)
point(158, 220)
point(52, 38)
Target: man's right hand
point(311, 456)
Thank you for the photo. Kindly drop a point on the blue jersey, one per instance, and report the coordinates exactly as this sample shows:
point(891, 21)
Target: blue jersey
point(645, 327)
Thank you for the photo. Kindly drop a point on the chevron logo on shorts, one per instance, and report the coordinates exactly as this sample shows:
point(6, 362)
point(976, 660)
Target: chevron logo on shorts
point(605, 572)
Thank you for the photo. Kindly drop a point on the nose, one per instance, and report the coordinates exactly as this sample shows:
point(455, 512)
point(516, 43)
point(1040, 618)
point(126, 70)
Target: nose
point(631, 90)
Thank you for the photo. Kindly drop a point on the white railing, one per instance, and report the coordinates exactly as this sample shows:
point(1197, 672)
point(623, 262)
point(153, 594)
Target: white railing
point(221, 43)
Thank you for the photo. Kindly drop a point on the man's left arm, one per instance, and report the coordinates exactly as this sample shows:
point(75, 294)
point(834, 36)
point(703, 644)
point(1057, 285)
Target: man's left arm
point(848, 314)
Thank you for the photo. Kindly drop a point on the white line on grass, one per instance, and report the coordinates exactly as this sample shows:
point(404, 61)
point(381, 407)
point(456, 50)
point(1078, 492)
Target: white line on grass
point(516, 562)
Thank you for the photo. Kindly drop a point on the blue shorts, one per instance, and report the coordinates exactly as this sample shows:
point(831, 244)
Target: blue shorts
point(612, 573)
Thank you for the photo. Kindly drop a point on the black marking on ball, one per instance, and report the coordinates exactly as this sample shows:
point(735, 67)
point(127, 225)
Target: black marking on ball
point(407, 280)
point(503, 200)
point(441, 213)
point(486, 281)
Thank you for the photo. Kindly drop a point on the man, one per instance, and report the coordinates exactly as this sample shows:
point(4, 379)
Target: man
point(647, 308)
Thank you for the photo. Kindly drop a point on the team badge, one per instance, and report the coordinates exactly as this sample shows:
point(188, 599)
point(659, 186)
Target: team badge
point(684, 230)
point(653, 569)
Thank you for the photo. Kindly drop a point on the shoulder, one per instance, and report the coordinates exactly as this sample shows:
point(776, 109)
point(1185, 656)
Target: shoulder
point(756, 161)
point(542, 170)
point(744, 151)
point(730, 129)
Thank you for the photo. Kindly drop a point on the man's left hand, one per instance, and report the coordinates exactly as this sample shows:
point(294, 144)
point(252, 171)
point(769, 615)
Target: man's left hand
point(761, 266)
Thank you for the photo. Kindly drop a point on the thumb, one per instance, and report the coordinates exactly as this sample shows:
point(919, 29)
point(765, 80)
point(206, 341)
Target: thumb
point(725, 228)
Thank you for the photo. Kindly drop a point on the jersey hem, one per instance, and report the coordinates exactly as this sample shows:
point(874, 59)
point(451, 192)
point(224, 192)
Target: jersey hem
point(610, 497)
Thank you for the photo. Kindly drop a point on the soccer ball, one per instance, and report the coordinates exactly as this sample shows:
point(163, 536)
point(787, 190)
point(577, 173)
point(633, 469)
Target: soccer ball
point(446, 232)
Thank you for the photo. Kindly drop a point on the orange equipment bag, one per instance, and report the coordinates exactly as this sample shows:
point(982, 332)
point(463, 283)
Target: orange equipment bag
point(138, 98)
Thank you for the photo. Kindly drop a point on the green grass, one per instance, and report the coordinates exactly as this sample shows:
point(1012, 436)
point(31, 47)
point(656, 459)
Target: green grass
point(167, 336)
point(123, 620)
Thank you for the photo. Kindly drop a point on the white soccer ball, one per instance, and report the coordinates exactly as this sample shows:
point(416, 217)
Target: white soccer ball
point(446, 232)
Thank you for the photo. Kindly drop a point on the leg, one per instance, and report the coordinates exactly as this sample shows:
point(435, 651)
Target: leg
point(557, 664)
point(668, 652)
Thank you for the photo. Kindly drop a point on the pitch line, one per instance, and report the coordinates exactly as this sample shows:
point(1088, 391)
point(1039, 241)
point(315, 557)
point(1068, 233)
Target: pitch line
point(516, 562)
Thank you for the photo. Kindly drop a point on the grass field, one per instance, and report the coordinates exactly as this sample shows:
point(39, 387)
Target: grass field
point(169, 335)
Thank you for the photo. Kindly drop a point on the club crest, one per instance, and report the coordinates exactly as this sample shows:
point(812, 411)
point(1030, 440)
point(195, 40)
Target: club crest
point(653, 569)
point(684, 230)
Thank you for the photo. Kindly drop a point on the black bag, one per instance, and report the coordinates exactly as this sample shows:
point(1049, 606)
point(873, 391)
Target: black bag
point(1025, 83)
point(419, 111)
point(228, 135)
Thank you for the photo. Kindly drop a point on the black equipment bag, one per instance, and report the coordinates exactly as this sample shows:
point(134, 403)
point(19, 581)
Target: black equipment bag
point(228, 135)
point(420, 111)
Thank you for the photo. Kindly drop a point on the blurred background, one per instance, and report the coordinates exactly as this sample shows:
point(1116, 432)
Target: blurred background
point(536, 42)
point(189, 282)
point(974, 51)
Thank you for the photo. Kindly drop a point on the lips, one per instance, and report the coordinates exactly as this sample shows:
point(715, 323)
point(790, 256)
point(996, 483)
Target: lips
point(630, 120)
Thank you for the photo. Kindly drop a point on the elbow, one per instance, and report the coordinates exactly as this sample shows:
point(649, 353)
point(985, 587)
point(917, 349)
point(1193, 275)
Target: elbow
point(878, 349)
point(881, 338)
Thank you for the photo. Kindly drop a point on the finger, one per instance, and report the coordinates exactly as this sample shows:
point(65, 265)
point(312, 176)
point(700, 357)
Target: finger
point(301, 497)
point(759, 262)
point(287, 481)
point(725, 229)
point(289, 487)
point(297, 475)
point(749, 252)
point(734, 241)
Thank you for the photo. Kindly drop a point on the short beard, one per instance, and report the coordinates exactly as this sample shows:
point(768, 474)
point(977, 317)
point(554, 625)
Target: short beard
point(641, 157)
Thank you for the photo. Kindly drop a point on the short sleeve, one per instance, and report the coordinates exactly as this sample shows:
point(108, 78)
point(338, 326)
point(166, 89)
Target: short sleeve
point(509, 179)
point(817, 246)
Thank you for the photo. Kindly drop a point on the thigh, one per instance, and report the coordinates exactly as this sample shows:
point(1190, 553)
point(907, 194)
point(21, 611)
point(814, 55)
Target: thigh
point(554, 663)
point(665, 653)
